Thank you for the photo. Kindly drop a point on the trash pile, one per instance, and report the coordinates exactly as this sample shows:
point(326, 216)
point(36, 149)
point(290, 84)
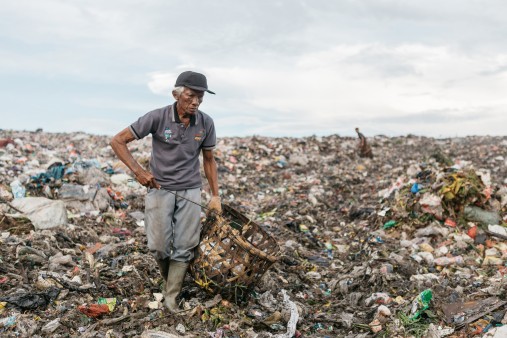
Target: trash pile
point(410, 243)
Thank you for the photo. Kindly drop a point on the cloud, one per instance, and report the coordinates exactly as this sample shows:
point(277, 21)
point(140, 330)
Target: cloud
point(279, 67)
point(319, 92)
point(161, 83)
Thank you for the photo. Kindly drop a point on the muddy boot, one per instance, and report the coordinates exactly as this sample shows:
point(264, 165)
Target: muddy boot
point(177, 271)
point(163, 264)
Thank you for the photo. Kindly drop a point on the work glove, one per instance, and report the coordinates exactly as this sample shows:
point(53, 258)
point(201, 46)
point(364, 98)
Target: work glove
point(214, 206)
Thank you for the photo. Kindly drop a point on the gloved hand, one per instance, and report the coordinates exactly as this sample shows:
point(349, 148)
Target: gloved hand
point(214, 206)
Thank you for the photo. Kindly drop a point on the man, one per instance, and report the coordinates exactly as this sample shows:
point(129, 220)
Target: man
point(172, 206)
point(364, 148)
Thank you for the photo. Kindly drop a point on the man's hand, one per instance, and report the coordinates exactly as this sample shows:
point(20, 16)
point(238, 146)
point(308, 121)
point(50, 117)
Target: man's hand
point(119, 145)
point(146, 178)
point(214, 206)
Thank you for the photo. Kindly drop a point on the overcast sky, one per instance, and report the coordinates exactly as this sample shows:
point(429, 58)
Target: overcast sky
point(279, 68)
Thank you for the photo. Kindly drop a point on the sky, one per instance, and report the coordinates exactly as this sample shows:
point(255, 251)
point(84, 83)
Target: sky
point(279, 68)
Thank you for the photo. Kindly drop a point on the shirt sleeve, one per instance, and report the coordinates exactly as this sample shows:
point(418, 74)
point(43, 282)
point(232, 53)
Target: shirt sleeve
point(210, 141)
point(145, 125)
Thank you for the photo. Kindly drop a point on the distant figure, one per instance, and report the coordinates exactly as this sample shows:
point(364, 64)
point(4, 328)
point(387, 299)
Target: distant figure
point(363, 147)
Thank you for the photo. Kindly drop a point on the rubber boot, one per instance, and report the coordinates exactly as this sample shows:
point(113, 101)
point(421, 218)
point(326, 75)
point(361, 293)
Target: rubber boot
point(163, 265)
point(177, 271)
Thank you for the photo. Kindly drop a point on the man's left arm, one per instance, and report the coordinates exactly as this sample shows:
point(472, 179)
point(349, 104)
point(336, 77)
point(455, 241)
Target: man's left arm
point(211, 172)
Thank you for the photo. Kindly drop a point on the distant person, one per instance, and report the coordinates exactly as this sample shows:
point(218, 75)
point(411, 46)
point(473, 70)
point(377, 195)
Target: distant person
point(180, 132)
point(363, 147)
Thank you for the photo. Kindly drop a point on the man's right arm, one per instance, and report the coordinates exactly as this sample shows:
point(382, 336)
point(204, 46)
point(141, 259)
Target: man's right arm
point(119, 145)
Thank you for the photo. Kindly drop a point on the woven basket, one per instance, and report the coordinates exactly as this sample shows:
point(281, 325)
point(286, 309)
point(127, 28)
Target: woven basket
point(232, 256)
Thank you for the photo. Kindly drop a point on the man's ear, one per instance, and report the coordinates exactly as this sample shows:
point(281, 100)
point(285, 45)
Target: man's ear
point(175, 95)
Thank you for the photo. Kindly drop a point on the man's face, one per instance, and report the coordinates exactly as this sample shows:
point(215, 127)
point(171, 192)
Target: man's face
point(189, 101)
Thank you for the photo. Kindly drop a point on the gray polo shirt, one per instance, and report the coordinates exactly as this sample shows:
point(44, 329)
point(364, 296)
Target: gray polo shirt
point(175, 155)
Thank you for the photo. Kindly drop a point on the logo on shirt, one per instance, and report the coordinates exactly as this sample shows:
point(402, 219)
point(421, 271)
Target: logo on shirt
point(167, 134)
point(199, 135)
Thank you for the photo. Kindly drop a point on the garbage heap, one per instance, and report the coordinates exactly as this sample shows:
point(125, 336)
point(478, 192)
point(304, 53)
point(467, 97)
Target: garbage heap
point(410, 243)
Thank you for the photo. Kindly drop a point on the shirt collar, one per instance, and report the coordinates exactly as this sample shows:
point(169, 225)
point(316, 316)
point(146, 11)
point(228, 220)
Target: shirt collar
point(176, 117)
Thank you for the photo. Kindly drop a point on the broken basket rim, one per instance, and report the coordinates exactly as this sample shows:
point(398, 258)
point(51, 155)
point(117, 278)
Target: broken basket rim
point(245, 244)
point(218, 222)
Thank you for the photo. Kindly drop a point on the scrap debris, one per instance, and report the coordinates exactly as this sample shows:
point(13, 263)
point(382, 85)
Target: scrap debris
point(412, 242)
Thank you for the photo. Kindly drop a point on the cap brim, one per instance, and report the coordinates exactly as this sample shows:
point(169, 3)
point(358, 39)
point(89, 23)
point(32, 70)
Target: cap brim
point(201, 89)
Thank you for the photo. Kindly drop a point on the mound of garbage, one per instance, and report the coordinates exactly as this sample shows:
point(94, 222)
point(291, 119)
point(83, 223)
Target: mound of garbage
point(411, 242)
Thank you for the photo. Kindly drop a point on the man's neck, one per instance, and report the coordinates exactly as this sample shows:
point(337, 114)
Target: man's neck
point(184, 117)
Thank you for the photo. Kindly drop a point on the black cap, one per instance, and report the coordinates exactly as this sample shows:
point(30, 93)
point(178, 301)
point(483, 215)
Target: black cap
point(193, 80)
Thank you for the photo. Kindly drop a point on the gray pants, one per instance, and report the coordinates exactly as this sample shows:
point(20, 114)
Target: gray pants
point(173, 223)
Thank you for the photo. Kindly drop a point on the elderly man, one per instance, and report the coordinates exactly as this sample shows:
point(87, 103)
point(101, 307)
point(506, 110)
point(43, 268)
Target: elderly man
point(172, 206)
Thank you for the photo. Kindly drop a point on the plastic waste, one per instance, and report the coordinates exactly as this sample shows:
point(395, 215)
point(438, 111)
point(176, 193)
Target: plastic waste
point(8, 322)
point(329, 250)
point(432, 230)
point(386, 269)
point(421, 303)
point(438, 331)
point(55, 172)
point(492, 261)
point(497, 332)
point(416, 187)
point(43, 212)
point(60, 259)
point(120, 179)
point(389, 224)
point(426, 247)
point(378, 298)
point(497, 229)
point(32, 301)
point(110, 302)
point(450, 223)
point(446, 261)
point(432, 204)
point(51, 326)
point(336, 182)
point(383, 311)
point(427, 257)
point(482, 216)
point(94, 310)
point(74, 192)
point(347, 319)
point(472, 231)
point(298, 159)
point(294, 316)
point(180, 328)
point(18, 190)
point(425, 280)
point(375, 326)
